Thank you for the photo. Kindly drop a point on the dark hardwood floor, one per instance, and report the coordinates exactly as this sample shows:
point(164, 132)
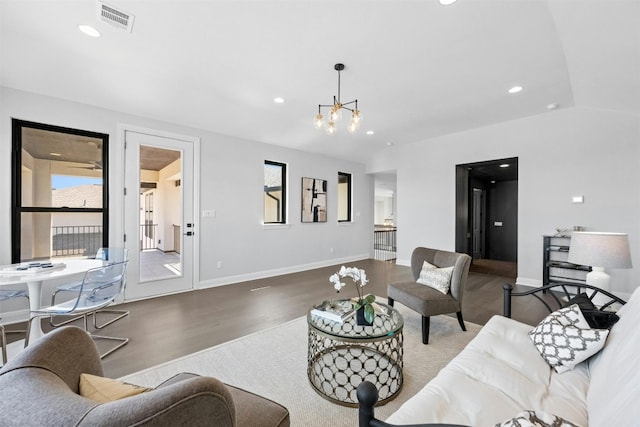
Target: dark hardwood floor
point(164, 328)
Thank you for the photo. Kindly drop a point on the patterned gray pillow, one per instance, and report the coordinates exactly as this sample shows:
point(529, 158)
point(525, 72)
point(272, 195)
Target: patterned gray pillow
point(565, 339)
point(536, 419)
point(436, 278)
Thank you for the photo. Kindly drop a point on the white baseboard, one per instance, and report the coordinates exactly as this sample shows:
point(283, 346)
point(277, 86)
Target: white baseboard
point(277, 272)
point(525, 281)
point(404, 262)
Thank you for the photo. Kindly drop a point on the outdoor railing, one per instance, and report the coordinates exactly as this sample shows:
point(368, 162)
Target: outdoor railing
point(148, 234)
point(69, 240)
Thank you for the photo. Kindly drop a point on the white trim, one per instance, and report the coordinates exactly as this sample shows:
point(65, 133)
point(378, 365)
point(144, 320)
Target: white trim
point(196, 142)
point(405, 262)
point(525, 281)
point(275, 226)
point(278, 271)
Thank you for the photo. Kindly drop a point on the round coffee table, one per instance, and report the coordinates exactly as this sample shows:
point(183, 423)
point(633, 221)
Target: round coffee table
point(342, 355)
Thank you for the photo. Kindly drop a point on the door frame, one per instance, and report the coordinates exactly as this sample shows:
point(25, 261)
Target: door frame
point(120, 205)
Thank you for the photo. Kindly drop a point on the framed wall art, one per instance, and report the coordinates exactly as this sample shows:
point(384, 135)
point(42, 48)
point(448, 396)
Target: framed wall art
point(314, 200)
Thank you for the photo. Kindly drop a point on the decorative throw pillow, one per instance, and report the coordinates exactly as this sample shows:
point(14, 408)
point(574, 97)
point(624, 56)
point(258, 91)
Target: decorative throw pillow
point(595, 318)
point(536, 419)
point(565, 339)
point(436, 278)
point(104, 390)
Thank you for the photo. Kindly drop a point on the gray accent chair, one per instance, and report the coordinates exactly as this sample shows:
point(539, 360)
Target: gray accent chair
point(40, 387)
point(428, 301)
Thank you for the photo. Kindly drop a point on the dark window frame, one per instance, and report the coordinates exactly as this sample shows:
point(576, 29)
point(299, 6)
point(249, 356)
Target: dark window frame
point(16, 182)
point(349, 179)
point(282, 209)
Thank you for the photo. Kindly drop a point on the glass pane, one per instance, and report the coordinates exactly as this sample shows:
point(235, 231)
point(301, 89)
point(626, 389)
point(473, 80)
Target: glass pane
point(344, 194)
point(273, 203)
point(160, 221)
point(45, 235)
point(61, 170)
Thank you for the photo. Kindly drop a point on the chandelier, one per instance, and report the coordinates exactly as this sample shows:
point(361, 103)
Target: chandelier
point(335, 113)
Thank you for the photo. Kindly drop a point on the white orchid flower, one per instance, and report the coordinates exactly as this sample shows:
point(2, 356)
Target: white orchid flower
point(335, 279)
point(363, 278)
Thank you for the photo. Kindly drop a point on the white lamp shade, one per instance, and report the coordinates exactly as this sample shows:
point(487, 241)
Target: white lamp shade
point(608, 250)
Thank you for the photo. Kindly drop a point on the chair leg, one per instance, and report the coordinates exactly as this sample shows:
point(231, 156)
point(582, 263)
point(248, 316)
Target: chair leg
point(3, 337)
point(120, 313)
point(122, 342)
point(64, 322)
point(390, 301)
point(425, 329)
point(459, 313)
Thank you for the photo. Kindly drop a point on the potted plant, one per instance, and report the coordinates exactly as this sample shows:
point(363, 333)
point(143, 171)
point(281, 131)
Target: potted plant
point(364, 310)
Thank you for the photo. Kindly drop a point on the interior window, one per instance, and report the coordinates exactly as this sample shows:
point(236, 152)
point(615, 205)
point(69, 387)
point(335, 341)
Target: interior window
point(344, 197)
point(275, 180)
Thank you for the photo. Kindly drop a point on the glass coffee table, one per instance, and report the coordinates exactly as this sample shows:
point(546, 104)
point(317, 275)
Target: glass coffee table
point(342, 355)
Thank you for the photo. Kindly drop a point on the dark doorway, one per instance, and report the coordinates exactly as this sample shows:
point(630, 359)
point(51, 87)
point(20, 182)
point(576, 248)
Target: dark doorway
point(487, 215)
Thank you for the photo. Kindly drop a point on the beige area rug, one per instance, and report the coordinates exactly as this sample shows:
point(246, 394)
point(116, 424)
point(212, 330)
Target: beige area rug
point(273, 363)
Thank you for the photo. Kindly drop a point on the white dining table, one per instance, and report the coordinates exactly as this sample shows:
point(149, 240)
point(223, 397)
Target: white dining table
point(11, 275)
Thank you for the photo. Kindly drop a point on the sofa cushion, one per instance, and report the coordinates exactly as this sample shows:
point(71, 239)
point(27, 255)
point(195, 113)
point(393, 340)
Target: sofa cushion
point(101, 389)
point(498, 375)
point(615, 377)
point(436, 278)
point(564, 338)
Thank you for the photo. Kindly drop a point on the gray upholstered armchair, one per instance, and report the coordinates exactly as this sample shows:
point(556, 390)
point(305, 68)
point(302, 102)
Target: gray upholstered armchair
point(428, 301)
point(40, 387)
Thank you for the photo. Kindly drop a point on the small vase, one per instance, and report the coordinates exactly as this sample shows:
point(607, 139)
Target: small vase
point(360, 320)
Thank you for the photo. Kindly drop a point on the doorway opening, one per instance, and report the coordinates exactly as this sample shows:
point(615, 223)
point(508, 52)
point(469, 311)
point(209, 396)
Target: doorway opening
point(385, 229)
point(487, 215)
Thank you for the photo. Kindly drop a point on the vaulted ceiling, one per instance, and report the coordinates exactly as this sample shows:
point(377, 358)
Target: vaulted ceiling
point(417, 68)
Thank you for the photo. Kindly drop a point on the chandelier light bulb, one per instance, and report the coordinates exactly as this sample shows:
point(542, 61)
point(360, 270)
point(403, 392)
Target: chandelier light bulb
point(352, 127)
point(331, 127)
point(317, 122)
point(356, 117)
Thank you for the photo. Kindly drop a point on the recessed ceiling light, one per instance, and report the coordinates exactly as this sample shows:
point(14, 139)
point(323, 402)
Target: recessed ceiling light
point(370, 132)
point(552, 106)
point(89, 30)
point(55, 154)
point(278, 100)
point(516, 89)
point(447, 2)
point(390, 144)
point(504, 165)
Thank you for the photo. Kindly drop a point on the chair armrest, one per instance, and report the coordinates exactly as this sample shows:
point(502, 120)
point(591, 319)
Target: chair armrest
point(368, 397)
point(67, 352)
point(559, 290)
point(193, 401)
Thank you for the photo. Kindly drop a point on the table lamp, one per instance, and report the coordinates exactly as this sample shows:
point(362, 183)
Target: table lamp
point(600, 250)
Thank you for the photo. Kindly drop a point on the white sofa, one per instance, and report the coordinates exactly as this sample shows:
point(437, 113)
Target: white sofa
point(501, 374)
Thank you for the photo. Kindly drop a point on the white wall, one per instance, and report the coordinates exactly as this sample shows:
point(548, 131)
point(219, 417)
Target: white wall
point(232, 184)
point(561, 154)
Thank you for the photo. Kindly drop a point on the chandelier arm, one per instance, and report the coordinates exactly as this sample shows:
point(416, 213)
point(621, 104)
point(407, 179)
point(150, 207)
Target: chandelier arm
point(338, 86)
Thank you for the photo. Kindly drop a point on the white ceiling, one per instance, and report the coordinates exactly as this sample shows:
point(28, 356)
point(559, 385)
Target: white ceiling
point(417, 68)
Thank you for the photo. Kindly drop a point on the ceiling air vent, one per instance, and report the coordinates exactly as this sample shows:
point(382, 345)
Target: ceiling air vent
point(116, 17)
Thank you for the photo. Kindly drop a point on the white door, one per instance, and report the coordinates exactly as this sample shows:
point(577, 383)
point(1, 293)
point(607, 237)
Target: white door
point(159, 214)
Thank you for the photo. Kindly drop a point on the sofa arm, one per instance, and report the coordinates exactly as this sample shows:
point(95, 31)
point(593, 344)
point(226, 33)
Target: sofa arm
point(66, 352)
point(193, 401)
point(368, 397)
